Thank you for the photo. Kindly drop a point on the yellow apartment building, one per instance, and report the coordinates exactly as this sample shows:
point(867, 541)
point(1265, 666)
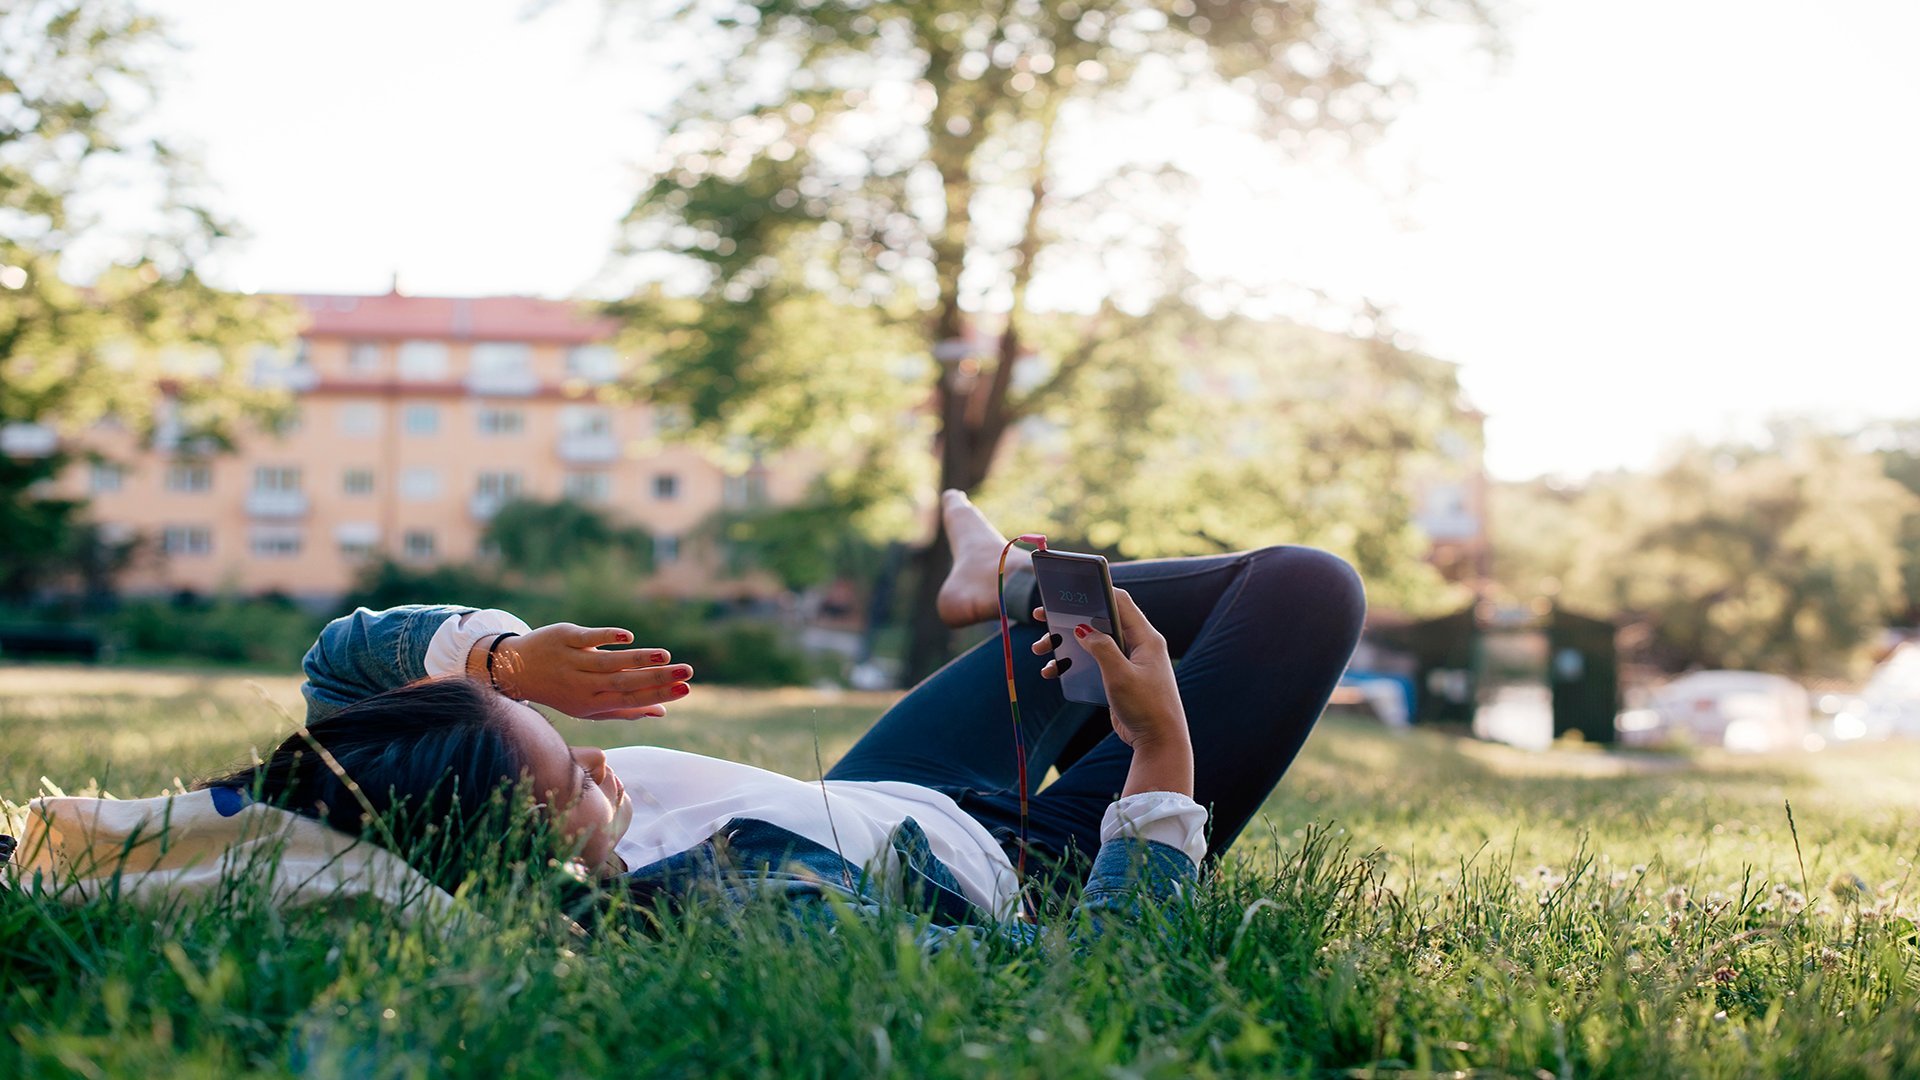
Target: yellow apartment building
point(415, 419)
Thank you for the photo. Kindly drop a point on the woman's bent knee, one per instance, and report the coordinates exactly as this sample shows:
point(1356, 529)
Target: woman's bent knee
point(1309, 579)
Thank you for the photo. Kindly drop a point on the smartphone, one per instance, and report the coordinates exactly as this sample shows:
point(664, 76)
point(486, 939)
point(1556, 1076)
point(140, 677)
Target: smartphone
point(1075, 589)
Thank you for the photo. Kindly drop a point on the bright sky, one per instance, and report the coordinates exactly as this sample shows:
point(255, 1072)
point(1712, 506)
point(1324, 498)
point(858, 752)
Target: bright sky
point(1660, 218)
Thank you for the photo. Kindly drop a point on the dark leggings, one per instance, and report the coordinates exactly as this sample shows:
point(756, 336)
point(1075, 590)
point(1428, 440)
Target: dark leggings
point(1261, 638)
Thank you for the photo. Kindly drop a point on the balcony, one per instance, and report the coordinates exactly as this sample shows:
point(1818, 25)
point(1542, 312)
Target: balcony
point(503, 383)
point(277, 504)
point(585, 448)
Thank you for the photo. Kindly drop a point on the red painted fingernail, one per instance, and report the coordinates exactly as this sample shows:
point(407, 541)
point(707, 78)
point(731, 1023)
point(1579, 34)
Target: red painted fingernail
point(659, 658)
point(682, 690)
point(626, 638)
point(1082, 630)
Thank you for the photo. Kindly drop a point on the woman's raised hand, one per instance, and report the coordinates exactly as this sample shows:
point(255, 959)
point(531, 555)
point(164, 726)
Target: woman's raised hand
point(1140, 687)
point(1142, 697)
point(563, 667)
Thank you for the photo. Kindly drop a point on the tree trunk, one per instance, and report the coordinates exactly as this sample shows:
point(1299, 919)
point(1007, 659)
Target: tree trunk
point(927, 637)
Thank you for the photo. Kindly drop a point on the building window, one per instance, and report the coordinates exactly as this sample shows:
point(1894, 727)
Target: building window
point(589, 487)
point(423, 361)
point(357, 482)
point(744, 491)
point(418, 545)
point(282, 369)
point(357, 539)
point(274, 541)
point(420, 482)
point(666, 549)
point(670, 419)
point(502, 359)
point(189, 478)
point(498, 485)
point(666, 486)
point(422, 419)
point(502, 421)
point(593, 363)
point(363, 358)
point(187, 540)
point(105, 477)
point(360, 418)
point(586, 422)
point(276, 479)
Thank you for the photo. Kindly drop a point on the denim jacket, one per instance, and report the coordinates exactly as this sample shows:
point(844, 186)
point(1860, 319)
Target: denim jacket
point(368, 652)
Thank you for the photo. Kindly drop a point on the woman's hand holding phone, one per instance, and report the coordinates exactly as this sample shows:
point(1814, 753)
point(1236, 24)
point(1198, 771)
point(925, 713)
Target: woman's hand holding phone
point(1141, 695)
point(563, 667)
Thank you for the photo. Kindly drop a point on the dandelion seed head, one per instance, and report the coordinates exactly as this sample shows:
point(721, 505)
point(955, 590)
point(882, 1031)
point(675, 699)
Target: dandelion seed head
point(1849, 888)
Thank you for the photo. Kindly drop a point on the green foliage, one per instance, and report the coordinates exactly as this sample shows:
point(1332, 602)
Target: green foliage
point(538, 539)
point(388, 584)
point(145, 341)
point(1261, 433)
point(821, 539)
point(48, 541)
point(227, 630)
point(1475, 910)
point(1782, 557)
point(723, 647)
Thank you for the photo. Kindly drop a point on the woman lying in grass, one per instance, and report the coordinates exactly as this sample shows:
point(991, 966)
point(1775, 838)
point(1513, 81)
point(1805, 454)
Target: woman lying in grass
point(421, 713)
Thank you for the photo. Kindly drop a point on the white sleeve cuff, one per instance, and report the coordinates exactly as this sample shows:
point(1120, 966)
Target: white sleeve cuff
point(1165, 817)
point(447, 652)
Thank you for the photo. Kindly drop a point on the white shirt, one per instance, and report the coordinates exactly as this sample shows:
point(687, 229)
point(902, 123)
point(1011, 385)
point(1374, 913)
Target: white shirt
point(682, 799)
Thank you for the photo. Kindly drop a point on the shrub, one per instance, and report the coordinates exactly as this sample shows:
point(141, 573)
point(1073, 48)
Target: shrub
point(227, 631)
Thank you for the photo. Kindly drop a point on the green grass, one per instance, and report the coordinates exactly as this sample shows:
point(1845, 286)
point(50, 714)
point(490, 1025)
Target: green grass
point(1410, 905)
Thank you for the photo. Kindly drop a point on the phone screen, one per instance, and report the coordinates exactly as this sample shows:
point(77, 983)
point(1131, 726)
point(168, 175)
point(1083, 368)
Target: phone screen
point(1074, 590)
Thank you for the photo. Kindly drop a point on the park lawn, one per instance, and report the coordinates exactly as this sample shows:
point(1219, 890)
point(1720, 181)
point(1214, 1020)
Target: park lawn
point(1410, 904)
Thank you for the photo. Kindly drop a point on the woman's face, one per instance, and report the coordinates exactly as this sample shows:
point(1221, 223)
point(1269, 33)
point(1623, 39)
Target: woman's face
point(587, 802)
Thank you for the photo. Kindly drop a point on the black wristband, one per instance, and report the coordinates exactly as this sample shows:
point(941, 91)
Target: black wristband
point(491, 650)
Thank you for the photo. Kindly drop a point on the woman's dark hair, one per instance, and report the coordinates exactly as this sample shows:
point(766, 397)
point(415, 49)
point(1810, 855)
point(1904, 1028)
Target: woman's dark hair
point(433, 763)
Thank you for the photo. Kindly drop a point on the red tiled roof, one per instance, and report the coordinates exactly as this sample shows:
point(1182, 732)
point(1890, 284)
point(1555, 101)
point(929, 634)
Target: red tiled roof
point(457, 318)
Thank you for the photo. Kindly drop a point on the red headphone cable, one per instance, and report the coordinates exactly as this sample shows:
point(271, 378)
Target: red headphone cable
point(1039, 543)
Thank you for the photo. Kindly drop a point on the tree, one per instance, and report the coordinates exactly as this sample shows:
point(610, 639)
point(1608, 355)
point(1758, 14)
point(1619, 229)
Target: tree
point(891, 173)
point(1784, 556)
point(145, 329)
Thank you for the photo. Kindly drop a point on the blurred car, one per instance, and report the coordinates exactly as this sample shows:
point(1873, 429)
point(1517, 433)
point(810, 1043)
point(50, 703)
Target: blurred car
point(1746, 711)
point(1889, 705)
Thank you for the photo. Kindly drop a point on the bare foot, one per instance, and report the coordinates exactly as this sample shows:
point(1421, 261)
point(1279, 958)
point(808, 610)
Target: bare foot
point(971, 592)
